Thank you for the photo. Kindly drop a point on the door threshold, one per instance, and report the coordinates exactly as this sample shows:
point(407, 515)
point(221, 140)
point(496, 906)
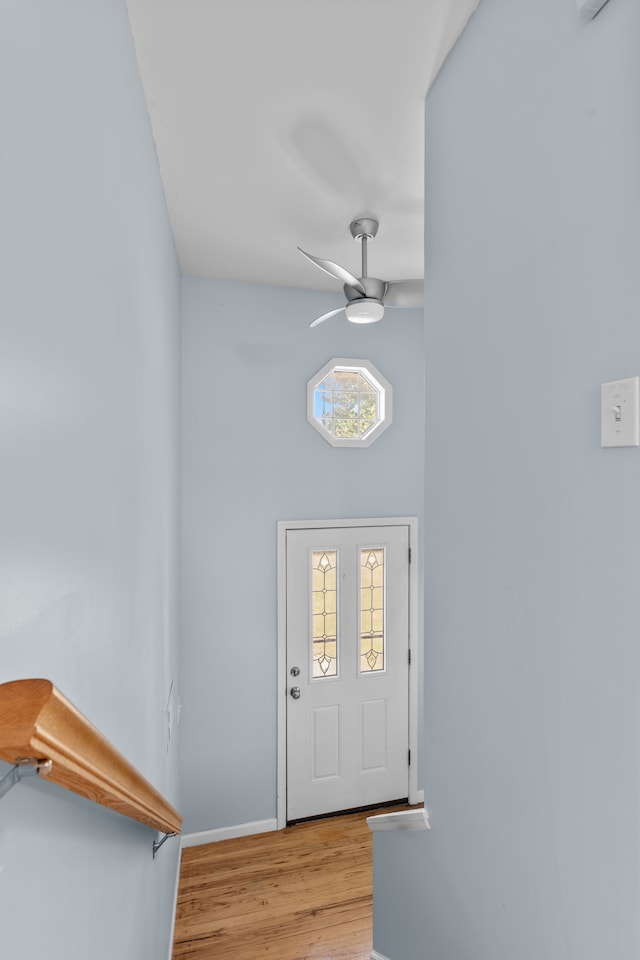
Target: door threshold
point(345, 813)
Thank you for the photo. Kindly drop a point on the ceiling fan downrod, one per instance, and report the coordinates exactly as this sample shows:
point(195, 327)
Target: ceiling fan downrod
point(364, 230)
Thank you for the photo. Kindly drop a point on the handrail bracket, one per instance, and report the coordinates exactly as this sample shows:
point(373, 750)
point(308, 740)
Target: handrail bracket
point(24, 767)
point(158, 843)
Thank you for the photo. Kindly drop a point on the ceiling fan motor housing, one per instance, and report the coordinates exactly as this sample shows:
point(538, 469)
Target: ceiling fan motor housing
point(373, 289)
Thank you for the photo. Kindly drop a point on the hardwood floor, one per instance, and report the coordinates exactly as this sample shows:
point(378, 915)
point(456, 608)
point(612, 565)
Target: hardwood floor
point(303, 893)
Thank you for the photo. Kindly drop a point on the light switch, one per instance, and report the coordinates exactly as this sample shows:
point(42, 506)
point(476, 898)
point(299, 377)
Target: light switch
point(620, 413)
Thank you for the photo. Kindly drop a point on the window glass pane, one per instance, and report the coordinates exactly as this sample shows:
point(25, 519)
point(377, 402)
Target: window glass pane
point(372, 639)
point(323, 404)
point(366, 386)
point(324, 619)
point(328, 383)
point(346, 428)
point(347, 404)
point(348, 380)
point(369, 406)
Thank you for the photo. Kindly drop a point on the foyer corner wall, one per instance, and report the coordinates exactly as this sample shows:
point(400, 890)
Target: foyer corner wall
point(250, 459)
point(89, 394)
point(532, 715)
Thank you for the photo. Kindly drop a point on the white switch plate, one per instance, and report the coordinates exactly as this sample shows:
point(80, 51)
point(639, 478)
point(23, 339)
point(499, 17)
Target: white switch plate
point(620, 413)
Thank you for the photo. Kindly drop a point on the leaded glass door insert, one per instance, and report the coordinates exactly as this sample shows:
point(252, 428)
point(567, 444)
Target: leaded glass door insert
point(347, 614)
point(372, 609)
point(324, 617)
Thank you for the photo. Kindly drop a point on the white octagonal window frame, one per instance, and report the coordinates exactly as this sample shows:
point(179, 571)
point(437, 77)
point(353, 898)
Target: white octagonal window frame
point(320, 402)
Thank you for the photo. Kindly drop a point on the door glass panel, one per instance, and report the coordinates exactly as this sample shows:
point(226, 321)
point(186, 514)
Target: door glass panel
point(372, 639)
point(324, 618)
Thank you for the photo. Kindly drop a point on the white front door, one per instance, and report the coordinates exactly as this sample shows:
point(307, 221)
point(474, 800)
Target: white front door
point(347, 639)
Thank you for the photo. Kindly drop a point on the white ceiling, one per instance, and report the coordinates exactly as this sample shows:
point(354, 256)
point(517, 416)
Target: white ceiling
point(278, 121)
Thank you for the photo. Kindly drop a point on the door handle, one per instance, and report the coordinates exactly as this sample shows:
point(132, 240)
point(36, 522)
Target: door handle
point(295, 693)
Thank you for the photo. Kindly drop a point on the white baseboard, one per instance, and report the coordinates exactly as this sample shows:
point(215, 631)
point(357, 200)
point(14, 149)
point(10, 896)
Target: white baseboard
point(175, 907)
point(377, 956)
point(227, 833)
point(400, 820)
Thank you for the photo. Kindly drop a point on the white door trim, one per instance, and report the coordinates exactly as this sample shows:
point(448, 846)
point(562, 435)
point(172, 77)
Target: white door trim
point(415, 641)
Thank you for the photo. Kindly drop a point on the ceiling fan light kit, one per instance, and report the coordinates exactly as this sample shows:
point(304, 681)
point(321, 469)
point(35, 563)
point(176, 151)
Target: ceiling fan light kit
point(364, 310)
point(366, 295)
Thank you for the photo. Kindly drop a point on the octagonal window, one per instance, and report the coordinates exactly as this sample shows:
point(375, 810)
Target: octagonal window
point(349, 402)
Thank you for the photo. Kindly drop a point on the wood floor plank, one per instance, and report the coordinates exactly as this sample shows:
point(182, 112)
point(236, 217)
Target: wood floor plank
point(303, 893)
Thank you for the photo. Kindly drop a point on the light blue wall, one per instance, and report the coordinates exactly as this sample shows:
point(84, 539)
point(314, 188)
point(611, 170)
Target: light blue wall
point(89, 394)
point(250, 459)
point(532, 603)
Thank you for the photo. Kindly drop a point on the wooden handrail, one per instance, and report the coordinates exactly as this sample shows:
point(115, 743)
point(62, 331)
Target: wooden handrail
point(38, 722)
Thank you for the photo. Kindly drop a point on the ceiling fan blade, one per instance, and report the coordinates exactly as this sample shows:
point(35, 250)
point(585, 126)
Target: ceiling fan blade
point(336, 271)
point(404, 293)
point(326, 316)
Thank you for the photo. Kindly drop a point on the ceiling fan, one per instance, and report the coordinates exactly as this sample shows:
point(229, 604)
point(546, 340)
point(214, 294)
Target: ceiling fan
point(367, 296)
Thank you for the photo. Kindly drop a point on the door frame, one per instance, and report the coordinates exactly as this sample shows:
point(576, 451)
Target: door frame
point(415, 644)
